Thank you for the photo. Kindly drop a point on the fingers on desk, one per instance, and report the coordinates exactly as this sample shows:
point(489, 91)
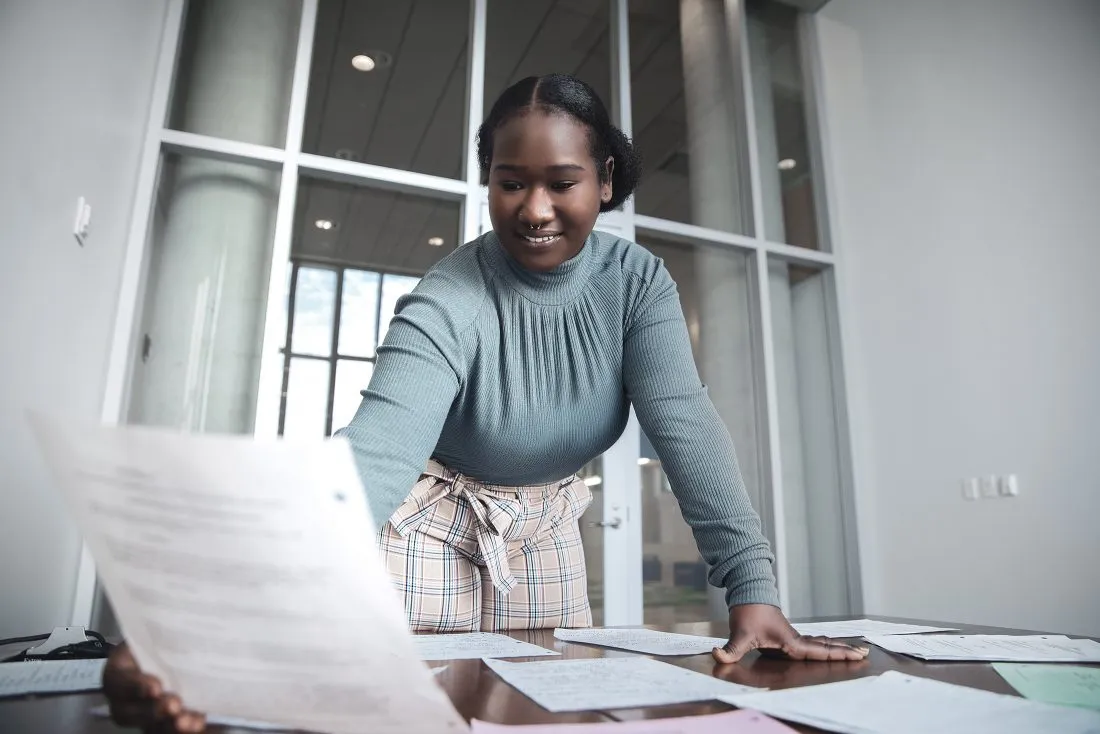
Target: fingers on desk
point(821, 648)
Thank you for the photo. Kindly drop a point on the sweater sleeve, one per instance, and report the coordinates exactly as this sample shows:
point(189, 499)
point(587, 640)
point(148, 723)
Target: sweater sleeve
point(416, 378)
point(694, 446)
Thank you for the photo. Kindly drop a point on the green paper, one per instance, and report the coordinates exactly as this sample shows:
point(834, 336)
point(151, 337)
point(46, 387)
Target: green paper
point(1065, 685)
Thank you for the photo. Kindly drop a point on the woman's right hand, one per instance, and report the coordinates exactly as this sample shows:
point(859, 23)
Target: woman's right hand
point(137, 699)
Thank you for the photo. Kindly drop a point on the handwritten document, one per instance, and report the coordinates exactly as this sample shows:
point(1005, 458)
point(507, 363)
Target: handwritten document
point(1010, 648)
point(861, 627)
point(730, 722)
point(51, 676)
point(246, 577)
point(896, 703)
point(610, 683)
point(650, 642)
point(1066, 685)
point(468, 645)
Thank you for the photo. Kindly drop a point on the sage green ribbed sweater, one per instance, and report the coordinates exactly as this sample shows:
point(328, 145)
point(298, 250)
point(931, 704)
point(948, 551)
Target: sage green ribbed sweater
point(515, 377)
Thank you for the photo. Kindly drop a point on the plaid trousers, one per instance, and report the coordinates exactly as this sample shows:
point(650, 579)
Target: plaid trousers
point(468, 556)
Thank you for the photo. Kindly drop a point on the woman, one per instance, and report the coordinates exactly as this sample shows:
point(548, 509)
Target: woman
point(512, 364)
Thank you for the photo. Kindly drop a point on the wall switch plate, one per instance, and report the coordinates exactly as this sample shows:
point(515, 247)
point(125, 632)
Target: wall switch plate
point(989, 485)
point(82, 221)
point(970, 489)
point(1009, 486)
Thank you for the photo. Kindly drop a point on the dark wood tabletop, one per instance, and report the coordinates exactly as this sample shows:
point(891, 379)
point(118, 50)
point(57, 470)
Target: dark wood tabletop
point(478, 693)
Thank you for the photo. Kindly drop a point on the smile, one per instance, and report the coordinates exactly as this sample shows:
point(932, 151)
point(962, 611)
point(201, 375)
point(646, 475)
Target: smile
point(542, 239)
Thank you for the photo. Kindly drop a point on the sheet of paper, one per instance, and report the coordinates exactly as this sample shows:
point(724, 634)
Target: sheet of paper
point(1009, 648)
point(50, 676)
point(610, 683)
point(1066, 685)
point(861, 627)
point(246, 576)
point(895, 703)
point(469, 645)
point(650, 642)
point(730, 722)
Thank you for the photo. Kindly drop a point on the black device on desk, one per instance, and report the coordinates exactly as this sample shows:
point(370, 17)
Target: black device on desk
point(64, 643)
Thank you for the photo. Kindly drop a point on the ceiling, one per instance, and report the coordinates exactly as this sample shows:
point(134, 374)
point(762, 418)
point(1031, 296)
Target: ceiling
point(410, 114)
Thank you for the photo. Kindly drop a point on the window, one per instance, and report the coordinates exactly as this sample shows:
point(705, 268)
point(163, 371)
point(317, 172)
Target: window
point(338, 317)
point(388, 84)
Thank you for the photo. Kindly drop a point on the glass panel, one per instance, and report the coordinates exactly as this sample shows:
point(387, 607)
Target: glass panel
point(306, 398)
point(715, 293)
point(206, 298)
point(782, 137)
point(388, 84)
point(592, 537)
point(235, 69)
point(371, 228)
point(538, 37)
point(809, 442)
point(393, 287)
point(352, 377)
point(314, 307)
point(687, 114)
point(358, 314)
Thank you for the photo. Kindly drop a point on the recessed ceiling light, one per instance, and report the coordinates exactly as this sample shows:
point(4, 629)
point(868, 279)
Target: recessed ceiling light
point(435, 241)
point(642, 461)
point(324, 224)
point(362, 62)
point(787, 164)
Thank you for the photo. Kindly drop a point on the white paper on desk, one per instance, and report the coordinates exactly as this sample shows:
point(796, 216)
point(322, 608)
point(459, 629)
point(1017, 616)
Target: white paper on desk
point(246, 576)
point(862, 627)
point(895, 703)
point(610, 683)
point(649, 642)
point(995, 648)
point(51, 676)
point(472, 645)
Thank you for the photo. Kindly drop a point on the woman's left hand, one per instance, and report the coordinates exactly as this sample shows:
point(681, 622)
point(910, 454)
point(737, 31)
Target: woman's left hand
point(763, 627)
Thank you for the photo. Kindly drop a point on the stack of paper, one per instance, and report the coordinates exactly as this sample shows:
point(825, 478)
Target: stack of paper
point(610, 683)
point(1012, 648)
point(731, 722)
point(862, 627)
point(472, 645)
point(1065, 685)
point(895, 703)
point(50, 676)
point(650, 642)
point(246, 576)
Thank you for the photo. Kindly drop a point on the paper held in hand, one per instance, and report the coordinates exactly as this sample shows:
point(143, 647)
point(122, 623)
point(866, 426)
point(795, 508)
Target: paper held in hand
point(245, 576)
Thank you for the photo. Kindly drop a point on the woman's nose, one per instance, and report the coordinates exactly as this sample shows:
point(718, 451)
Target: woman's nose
point(537, 209)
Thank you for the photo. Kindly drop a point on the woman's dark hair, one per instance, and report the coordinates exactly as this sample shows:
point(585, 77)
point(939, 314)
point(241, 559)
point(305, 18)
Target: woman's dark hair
point(571, 96)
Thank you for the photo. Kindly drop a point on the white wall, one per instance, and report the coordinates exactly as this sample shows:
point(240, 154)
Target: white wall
point(75, 88)
point(965, 146)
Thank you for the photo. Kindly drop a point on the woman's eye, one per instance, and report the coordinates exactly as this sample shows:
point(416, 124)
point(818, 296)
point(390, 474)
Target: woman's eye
point(563, 185)
point(510, 185)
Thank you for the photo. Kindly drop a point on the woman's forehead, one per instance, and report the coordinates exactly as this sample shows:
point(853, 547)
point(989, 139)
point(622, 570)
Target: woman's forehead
point(541, 139)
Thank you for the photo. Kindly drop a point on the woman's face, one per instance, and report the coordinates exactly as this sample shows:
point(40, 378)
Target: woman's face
point(544, 190)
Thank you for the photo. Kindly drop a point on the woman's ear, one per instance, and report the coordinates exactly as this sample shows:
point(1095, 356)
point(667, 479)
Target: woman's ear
point(605, 187)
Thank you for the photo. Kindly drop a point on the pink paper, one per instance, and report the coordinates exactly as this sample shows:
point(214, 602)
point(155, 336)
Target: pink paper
point(731, 722)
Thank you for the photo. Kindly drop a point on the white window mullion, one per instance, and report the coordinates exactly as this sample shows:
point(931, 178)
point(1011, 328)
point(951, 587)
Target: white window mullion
point(271, 360)
point(472, 224)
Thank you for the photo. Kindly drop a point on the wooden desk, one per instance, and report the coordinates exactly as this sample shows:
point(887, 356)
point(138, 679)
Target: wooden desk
point(479, 693)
